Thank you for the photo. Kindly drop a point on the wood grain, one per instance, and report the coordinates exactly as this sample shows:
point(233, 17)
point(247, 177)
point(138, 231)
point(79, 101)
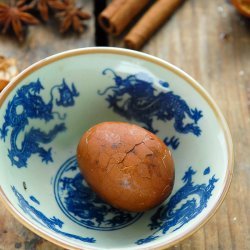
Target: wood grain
point(209, 41)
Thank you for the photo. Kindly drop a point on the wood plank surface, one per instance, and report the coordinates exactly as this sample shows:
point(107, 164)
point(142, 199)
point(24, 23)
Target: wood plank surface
point(209, 41)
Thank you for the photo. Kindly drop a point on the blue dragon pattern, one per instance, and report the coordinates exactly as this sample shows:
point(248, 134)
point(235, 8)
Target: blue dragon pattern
point(28, 104)
point(183, 206)
point(53, 223)
point(79, 203)
point(134, 97)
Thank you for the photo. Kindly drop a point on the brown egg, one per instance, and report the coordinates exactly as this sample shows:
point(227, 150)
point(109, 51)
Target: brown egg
point(128, 166)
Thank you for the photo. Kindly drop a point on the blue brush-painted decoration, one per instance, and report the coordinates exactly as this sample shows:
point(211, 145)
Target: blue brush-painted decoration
point(206, 171)
point(134, 97)
point(52, 223)
point(66, 95)
point(183, 206)
point(27, 105)
point(34, 200)
point(172, 142)
point(79, 203)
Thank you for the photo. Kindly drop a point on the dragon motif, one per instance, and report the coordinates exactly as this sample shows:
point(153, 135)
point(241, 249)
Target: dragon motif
point(79, 203)
point(52, 223)
point(26, 105)
point(183, 206)
point(134, 97)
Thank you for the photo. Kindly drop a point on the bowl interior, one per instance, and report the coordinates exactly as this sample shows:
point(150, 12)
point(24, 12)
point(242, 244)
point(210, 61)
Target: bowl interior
point(46, 110)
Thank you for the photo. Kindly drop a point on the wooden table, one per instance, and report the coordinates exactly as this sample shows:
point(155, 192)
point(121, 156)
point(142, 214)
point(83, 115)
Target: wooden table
point(211, 42)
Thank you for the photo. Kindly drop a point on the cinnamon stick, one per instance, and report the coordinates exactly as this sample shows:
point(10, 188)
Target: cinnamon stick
point(119, 13)
point(158, 13)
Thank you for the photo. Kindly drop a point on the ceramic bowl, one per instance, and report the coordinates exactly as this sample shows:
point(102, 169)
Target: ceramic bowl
point(47, 108)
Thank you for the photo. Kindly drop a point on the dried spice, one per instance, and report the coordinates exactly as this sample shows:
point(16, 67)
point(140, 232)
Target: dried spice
point(150, 22)
point(42, 6)
point(8, 70)
point(14, 17)
point(70, 15)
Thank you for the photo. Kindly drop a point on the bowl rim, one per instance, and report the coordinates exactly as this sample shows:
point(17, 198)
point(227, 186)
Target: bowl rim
point(163, 64)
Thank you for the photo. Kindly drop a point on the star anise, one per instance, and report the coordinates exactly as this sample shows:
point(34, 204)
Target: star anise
point(70, 15)
point(15, 17)
point(42, 6)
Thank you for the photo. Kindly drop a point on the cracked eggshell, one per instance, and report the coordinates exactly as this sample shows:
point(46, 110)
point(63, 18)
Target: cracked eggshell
point(128, 166)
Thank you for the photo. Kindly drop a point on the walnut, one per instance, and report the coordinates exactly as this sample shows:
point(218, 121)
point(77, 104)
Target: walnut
point(8, 70)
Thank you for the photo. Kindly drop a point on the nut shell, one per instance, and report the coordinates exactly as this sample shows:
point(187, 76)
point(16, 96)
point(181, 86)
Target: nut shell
point(128, 166)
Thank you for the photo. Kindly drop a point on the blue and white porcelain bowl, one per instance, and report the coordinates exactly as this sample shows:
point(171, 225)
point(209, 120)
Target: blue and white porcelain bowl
point(46, 109)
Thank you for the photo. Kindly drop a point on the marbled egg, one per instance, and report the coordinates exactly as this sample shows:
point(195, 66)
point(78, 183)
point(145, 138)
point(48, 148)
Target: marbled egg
point(128, 166)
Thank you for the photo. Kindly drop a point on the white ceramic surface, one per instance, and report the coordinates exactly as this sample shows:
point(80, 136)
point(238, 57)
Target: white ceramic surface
point(46, 109)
